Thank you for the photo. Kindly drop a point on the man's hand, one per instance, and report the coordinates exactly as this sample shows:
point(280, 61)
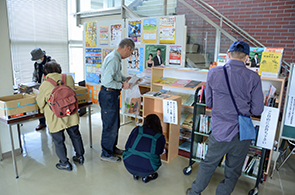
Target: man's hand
point(126, 85)
point(128, 78)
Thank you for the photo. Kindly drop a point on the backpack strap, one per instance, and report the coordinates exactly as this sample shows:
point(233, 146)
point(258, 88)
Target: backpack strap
point(50, 80)
point(64, 79)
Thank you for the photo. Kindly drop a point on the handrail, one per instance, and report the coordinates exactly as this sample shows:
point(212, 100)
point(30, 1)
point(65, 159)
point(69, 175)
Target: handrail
point(233, 26)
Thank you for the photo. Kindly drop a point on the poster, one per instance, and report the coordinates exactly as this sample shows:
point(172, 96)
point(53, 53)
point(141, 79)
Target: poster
point(170, 114)
point(90, 34)
point(103, 35)
point(152, 49)
point(106, 51)
point(149, 30)
point(93, 64)
point(268, 126)
point(175, 55)
point(222, 59)
point(135, 62)
point(116, 34)
point(258, 51)
point(134, 30)
point(167, 29)
point(270, 64)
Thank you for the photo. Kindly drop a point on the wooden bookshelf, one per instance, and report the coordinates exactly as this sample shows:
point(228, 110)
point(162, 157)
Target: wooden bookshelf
point(154, 105)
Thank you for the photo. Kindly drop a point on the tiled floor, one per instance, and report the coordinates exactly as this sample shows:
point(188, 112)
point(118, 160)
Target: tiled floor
point(39, 176)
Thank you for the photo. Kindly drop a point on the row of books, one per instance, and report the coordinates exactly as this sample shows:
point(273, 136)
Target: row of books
point(270, 99)
point(205, 124)
point(158, 94)
point(186, 119)
point(251, 165)
point(179, 82)
point(201, 150)
point(186, 99)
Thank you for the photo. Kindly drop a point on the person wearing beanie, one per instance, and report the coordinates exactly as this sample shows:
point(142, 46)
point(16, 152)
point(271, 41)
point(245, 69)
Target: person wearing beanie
point(224, 139)
point(39, 57)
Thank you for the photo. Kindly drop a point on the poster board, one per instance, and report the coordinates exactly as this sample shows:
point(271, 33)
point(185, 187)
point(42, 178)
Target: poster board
point(288, 120)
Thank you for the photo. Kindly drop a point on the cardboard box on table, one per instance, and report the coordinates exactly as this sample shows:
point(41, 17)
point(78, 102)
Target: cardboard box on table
point(18, 105)
point(82, 94)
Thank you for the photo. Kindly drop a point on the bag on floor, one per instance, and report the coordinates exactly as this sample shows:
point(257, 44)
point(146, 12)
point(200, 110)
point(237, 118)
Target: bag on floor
point(132, 102)
point(63, 100)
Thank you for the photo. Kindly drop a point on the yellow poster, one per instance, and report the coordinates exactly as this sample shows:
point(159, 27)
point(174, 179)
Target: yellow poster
point(167, 29)
point(90, 34)
point(149, 30)
point(270, 62)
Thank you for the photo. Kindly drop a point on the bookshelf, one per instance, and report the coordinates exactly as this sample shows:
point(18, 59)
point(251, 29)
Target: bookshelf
point(154, 105)
point(201, 75)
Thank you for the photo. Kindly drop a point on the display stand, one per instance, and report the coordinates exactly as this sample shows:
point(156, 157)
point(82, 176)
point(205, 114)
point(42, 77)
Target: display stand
point(287, 129)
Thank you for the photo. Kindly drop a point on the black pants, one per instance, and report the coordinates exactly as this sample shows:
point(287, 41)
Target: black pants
point(60, 148)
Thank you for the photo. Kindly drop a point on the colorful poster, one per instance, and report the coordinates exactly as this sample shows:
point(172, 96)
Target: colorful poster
point(167, 29)
point(270, 64)
point(134, 30)
point(106, 51)
point(255, 55)
point(135, 62)
point(93, 64)
point(222, 59)
point(149, 30)
point(116, 34)
point(152, 49)
point(90, 34)
point(175, 55)
point(103, 35)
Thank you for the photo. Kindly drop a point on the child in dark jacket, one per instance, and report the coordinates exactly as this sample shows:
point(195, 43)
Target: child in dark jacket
point(143, 149)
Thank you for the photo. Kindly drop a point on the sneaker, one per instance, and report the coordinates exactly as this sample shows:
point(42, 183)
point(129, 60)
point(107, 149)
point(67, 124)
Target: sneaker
point(150, 177)
point(111, 158)
point(118, 151)
point(135, 177)
point(67, 166)
point(40, 127)
point(79, 160)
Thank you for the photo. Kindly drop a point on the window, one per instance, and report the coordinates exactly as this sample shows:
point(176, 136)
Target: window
point(37, 23)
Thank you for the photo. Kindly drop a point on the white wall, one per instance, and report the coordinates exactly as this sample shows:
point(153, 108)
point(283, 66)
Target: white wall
point(6, 79)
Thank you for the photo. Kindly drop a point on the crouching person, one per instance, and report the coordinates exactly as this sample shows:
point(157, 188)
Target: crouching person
point(69, 120)
point(143, 149)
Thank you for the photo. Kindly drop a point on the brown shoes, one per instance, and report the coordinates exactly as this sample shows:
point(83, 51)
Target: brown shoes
point(39, 127)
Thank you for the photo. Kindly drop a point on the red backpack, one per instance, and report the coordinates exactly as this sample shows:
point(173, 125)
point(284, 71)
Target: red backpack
point(63, 99)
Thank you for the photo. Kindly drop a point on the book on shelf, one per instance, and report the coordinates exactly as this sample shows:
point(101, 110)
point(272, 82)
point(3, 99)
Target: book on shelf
point(181, 82)
point(256, 166)
point(159, 80)
point(185, 134)
point(163, 96)
point(183, 96)
point(201, 150)
point(168, 81)
point(245, 163)
point(192, 84)
point(250, 165)
point(150, 93)
point(186, 146)
point(183, 116)
point(190, 100)
point(270, 94)
point(205, 124)
point(188, 121)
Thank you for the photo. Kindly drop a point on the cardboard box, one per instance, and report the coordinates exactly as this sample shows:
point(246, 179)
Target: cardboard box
point(82, 94)
point(18, 105)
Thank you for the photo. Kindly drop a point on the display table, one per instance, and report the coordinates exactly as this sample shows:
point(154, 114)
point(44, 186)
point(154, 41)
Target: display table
point(18, 121)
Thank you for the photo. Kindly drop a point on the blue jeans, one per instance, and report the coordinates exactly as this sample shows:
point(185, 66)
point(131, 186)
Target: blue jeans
point(109, 102)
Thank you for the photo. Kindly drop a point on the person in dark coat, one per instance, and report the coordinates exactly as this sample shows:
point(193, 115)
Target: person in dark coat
point(158, 59)
point(40, 58)
point(143, 149)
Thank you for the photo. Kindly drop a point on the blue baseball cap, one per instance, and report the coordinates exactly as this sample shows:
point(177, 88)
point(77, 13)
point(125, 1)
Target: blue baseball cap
point(235, 47)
